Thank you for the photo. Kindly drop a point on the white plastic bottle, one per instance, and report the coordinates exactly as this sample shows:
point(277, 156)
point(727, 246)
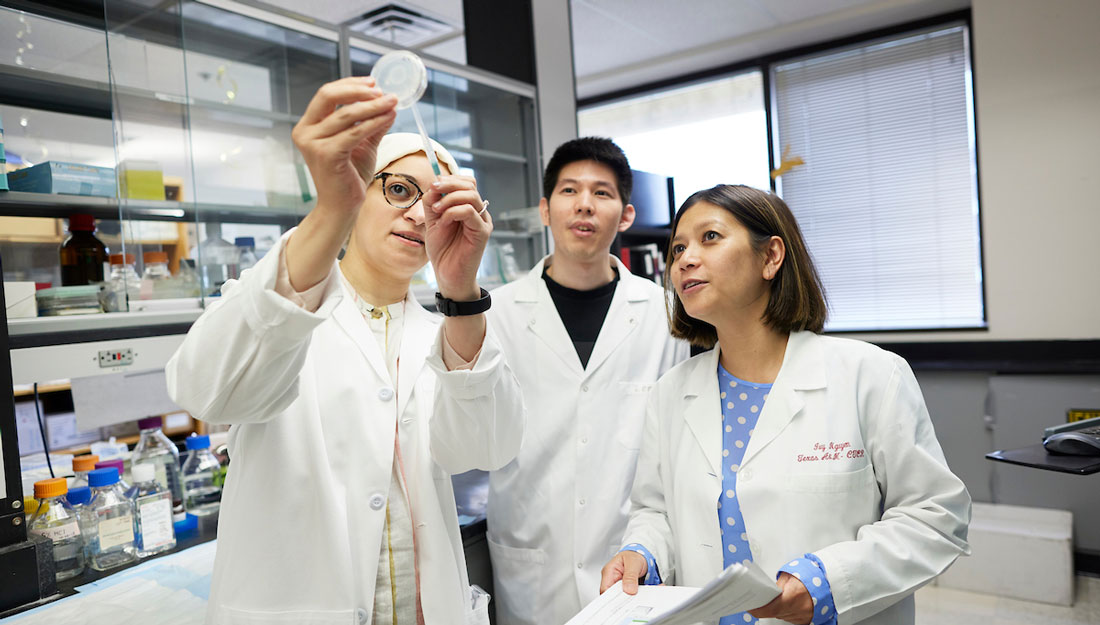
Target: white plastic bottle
point(153, 510)
point(56, 519)
point(202, 477)
point(247, 258)
point(112, 522)
point(155, 448)
point(217, 260)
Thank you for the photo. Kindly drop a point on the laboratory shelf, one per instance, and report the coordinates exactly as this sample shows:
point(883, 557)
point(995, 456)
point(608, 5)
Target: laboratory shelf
point(47, 331)
point(23, 204)
point(71, 94)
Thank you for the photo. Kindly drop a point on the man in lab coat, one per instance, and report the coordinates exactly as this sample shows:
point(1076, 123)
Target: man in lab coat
point(587, 340)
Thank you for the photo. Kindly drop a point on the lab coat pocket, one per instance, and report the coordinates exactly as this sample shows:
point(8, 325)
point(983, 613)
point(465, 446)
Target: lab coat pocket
point(517, 576)
point(631, 413)
point(840, 482)
point(479, 606)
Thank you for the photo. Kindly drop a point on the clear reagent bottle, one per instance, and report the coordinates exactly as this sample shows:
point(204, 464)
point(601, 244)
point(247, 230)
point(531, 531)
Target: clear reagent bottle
point(157, 449)
point(56, 519)
point(111, 516)
point(153, 507)
point(81, 466)
point(202, 477)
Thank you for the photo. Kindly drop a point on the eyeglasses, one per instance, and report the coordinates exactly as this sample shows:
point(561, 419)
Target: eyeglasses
point(399, 190)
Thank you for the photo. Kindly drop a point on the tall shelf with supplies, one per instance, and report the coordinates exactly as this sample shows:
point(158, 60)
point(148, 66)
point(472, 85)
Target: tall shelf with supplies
point(179, 119)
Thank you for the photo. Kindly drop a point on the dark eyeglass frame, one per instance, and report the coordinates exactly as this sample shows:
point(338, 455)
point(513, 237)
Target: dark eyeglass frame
point(385, 175)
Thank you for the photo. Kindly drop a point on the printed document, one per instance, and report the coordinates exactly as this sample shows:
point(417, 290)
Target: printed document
point(736, 589)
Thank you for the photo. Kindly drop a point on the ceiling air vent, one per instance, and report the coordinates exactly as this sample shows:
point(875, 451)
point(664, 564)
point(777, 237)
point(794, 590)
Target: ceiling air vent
point(402, 26)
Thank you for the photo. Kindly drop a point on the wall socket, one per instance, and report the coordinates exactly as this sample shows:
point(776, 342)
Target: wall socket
point(116, 357)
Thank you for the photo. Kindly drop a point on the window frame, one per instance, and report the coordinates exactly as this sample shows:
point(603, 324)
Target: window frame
point(764, 64)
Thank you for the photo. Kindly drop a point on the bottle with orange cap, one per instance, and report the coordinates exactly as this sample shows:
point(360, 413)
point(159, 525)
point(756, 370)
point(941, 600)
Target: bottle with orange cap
point(81, 466)
point(156, 280)
point(55, 519)
point(123, 284)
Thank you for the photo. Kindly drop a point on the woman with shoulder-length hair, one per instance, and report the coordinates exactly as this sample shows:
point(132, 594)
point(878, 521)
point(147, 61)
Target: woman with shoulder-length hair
point(812, 456)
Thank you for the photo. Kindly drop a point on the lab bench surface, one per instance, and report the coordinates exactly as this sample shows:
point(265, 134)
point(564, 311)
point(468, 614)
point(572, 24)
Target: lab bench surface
point(470, 490)
point(1037, 457)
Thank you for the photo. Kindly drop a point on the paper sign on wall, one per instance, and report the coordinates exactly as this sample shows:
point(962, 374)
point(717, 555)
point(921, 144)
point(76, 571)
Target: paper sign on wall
point(108, 399)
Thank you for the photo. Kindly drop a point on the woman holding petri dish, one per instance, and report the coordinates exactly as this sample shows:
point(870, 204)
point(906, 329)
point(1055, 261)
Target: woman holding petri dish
point(351, 405)
point(811, 456)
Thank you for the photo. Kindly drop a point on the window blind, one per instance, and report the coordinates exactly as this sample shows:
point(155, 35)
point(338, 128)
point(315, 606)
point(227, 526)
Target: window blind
point(887, 197)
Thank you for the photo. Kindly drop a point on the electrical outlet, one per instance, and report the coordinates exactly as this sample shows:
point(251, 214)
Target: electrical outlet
point(116, 357)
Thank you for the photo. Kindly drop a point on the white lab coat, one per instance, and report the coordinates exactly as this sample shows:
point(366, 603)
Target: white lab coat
point(885, 515)
point(315, 416)
point(557, 512)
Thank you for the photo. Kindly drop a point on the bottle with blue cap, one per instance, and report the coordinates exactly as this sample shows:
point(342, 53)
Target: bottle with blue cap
point(79, 498)
point(202, 477)
point(152, 510)
point(112, 517)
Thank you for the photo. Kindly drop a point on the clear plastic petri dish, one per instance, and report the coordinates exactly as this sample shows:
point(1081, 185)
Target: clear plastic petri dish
point(403, 74)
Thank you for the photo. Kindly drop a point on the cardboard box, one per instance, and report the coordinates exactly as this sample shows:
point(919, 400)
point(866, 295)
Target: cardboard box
point(68, 178)
point(26, 426)
point(61, 431)
point(19, 302)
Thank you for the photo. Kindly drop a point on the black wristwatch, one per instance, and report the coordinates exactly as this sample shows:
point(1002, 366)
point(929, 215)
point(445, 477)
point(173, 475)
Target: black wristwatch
point(451, 308)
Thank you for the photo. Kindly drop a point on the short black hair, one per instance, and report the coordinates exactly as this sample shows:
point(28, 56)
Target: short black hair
point(599, 149)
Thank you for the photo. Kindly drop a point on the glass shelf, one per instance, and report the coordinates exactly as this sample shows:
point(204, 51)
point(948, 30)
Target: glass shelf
point(23, 204)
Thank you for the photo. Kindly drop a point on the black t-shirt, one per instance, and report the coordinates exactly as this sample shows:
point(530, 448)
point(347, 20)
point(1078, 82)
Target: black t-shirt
point(582, 312)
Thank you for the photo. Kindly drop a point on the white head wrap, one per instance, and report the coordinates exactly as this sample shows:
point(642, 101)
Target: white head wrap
point(401, 144)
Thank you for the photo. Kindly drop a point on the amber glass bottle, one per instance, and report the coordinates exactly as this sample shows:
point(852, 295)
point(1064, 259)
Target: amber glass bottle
point(82, 254)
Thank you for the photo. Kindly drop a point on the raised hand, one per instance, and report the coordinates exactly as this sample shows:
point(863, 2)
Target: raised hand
point(458, 230)
point(338, 137)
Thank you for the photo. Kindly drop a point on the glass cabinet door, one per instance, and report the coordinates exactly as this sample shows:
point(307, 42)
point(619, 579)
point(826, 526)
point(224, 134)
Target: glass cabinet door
point(177, 116)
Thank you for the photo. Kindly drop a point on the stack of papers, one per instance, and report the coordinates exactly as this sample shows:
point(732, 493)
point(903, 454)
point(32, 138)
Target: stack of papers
point(736, 589)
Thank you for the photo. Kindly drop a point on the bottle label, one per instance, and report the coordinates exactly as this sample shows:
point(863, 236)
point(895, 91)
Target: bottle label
point(115, 532)
point(59, 532)
point(155, 521)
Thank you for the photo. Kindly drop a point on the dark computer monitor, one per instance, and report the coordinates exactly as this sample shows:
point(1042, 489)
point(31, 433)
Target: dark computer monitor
point(652, 199)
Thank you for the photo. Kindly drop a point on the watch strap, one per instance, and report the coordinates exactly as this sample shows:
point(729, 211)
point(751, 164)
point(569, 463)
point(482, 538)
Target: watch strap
point(451, 308)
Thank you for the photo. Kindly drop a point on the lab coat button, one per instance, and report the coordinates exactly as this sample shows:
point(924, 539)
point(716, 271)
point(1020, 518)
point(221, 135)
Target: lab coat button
point(584, 440)
point(582, 502)
point(377, 501)
point(580, 566)
point(584, 388)
point(744, 475)
point(361, 615)
point(385, 394)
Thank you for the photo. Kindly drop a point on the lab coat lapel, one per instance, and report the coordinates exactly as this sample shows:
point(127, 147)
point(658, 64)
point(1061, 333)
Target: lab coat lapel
point(803, 370)
point(703, 411)
point(620, 321)
point(349, 318)
point(544, 321)
point(419, 334)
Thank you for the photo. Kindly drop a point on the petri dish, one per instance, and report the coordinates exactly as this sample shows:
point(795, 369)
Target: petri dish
point(401, 73)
